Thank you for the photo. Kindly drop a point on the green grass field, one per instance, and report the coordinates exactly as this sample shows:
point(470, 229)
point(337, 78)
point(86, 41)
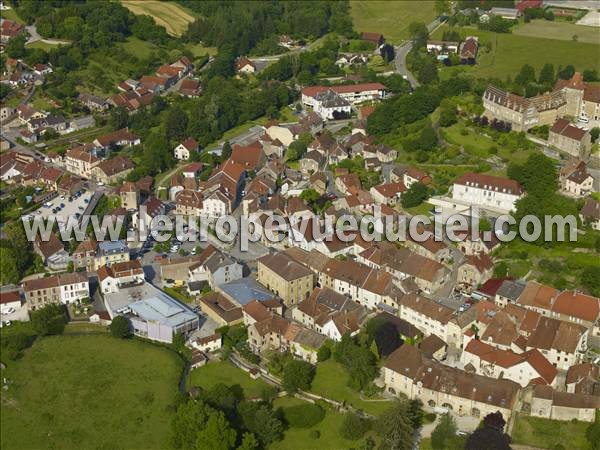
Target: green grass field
point(11, 14)
point(510, 52)
point(474, 143)
point(89, 392)
point(331, 381)
point(424, 209)
point(544, 433)
point(200, 50)
point(225, 372)
point(522, 257)
point(139, 48)
point(43, 45)
point(299, 438)
point(170, 15)
point(480, 145)
point(563, 31)
point(391, 18)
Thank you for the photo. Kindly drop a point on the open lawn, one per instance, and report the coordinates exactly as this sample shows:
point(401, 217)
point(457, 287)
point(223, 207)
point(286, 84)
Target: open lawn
point(425, 444)
point(424, 209)
point(563, 31)
point(139, 48)
point(89, 392)
point(544, 433)
point(225, 372)
point(299, 438)
point(331, 381)
point(170, 15)
point(43, 45)
point(510, 52)
point(237, 130)
point(390, 18)
point(200, 50)
point(474, 143)
point(479, 144)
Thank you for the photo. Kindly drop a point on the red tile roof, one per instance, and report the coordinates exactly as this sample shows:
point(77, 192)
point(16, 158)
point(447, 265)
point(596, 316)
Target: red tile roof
point(250, 156)
point(190, 143)
point(565, 128)
point(9, 297)
point(578, 305)
point(490, 182)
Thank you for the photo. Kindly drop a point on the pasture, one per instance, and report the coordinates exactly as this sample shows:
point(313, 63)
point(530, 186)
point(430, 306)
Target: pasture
point(391, 18)
point(170, 15)
point(563, 31)
point(509, 52)
point(90, 391)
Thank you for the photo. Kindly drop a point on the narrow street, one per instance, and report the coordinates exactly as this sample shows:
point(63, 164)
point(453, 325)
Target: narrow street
point(402, 51)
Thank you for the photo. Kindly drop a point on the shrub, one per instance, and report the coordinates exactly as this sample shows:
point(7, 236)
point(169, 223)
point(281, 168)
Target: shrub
point(119, 327)
point(324, 353)
point(304, 416)
point(429, 418)
point(314, 434)
point(371, 390)
point(49, 320)
point(354, 427)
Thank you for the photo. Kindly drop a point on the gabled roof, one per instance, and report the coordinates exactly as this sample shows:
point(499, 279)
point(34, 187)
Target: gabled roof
point(284, 266)
point(565, 128)
point(537, 295)
point(116, 165)
point(409, 362)
point(249, 156)
point(117, 136)
point(50, 247)
point(389, 190)
point(591, 209)
point(80, 154)
point(221, 306)
point(427, 307)
point(556, 334)
point(190, 144)
point(490, 182)
point(257, 310)
point(242, 62)
point(577, 305)
point(481, 262)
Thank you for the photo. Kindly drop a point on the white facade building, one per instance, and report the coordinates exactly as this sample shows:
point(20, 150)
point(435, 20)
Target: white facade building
point(487, 191)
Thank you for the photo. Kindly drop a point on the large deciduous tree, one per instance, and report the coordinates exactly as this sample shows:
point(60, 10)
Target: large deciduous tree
point(297, 375)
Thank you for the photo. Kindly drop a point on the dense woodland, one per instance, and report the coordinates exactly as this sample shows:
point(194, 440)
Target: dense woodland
point(240, 26)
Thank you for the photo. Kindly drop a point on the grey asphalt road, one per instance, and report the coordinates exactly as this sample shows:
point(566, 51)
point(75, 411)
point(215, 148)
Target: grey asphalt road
point(403, 50)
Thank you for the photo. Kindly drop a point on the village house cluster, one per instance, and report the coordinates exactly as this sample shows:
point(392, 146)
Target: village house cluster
point(471, 343)
point(569, 98)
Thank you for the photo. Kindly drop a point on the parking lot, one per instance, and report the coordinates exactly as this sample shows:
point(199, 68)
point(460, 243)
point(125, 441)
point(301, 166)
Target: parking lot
point(20, 314)
point(64, 206)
